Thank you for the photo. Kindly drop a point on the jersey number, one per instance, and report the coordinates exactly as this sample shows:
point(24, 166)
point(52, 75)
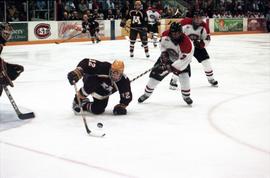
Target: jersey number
point(92, 63)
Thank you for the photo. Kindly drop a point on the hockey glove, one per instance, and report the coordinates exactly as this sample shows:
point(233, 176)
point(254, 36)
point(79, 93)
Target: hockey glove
point(9, 72)
point(163, 67)
point(122, 24)
point(120, 109)
point(164, 57)
point(14, 70)
point(75, 75)
point(198, 44)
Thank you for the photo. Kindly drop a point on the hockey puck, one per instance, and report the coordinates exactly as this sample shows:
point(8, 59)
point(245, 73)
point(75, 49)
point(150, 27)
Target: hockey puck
point(99, 125)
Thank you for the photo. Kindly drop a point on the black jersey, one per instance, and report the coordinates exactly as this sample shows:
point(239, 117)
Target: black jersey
point(90, 25)
point(138, 18)
point(100, 85)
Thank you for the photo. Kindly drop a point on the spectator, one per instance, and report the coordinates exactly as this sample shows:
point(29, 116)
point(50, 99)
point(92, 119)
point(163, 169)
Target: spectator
point(65, 16)
point(82, 7)
point(118, 14)
point(69, 6)
point(110, 15)
point(41, 4)
point(74, 16)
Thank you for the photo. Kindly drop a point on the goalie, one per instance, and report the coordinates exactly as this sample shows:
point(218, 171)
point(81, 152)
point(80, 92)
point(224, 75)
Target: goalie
point(100, 79)
point(8, 72)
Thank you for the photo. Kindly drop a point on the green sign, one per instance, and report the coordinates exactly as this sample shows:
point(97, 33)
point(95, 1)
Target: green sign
point(20, 32)
point(228, 25)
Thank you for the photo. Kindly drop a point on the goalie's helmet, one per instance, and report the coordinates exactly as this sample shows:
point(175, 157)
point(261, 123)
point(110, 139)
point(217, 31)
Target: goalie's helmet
point(117, 69)
point(5, 30)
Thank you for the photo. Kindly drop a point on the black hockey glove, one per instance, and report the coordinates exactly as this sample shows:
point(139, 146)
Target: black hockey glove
point(75, 75)
point(14, 70)
point(120, 109)
point(163, 67)
point(9, 72)
point(198, 44)
point(122, 24)
point(164, 57)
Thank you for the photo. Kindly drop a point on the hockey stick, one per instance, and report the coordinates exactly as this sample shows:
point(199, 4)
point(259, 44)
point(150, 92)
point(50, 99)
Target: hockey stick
point(68, 38)
point(89, 132)
point(148, 41)
point(21, 116)
point(136, 29)
point(142, 74)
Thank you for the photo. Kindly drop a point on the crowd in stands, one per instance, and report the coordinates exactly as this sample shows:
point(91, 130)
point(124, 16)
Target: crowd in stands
point(117, 9)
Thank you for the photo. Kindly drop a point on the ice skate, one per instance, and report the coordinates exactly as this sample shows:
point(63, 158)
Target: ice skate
point(213, 82)
point(143, 98)
point(188, 100)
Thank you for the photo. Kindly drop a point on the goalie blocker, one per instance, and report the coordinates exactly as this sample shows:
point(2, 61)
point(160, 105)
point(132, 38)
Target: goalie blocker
point(8, 73)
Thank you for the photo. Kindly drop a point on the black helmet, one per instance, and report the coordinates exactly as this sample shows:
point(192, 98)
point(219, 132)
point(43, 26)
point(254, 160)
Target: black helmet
point(175, 33)
point(198, 13)
point(176, 27)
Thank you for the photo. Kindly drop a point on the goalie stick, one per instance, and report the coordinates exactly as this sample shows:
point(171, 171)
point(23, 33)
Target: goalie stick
point(89, 132)
point(21, 116)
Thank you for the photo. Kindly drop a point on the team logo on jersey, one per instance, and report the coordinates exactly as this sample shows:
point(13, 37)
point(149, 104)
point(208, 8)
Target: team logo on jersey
point(42, 30)
point(107, 87)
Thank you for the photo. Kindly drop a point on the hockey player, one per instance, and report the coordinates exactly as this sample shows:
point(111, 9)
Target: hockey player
point(199, 33)
point(8, 72)
point(153, 23)
point(90, 25)
point(176, 54)
point(138, 26)
point(101, 79)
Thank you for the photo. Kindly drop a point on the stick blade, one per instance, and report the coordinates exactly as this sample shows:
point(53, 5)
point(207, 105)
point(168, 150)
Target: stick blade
point(25, 116)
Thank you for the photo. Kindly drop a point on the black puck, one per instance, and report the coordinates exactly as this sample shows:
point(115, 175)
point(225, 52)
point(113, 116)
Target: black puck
point(99, 125)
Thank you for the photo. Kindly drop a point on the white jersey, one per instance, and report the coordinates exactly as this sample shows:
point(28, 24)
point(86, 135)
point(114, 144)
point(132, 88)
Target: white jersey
point(201, 33)
point(152, 16)
point(180, 54)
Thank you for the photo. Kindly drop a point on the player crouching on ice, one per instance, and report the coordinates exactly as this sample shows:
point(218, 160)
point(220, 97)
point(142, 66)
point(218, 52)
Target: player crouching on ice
point(176, 54)
point(100, 80)
point(8, 73)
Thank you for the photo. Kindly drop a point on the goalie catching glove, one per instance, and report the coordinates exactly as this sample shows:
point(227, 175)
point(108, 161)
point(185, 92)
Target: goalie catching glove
point(120, 109)
point(8, 73)
point(75, 75)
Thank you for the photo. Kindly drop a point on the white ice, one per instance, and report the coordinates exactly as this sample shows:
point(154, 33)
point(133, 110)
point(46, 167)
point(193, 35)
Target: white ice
point(225, 134)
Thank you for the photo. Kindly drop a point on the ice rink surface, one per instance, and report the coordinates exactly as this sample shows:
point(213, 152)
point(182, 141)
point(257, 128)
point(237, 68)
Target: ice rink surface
point(225, 134)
